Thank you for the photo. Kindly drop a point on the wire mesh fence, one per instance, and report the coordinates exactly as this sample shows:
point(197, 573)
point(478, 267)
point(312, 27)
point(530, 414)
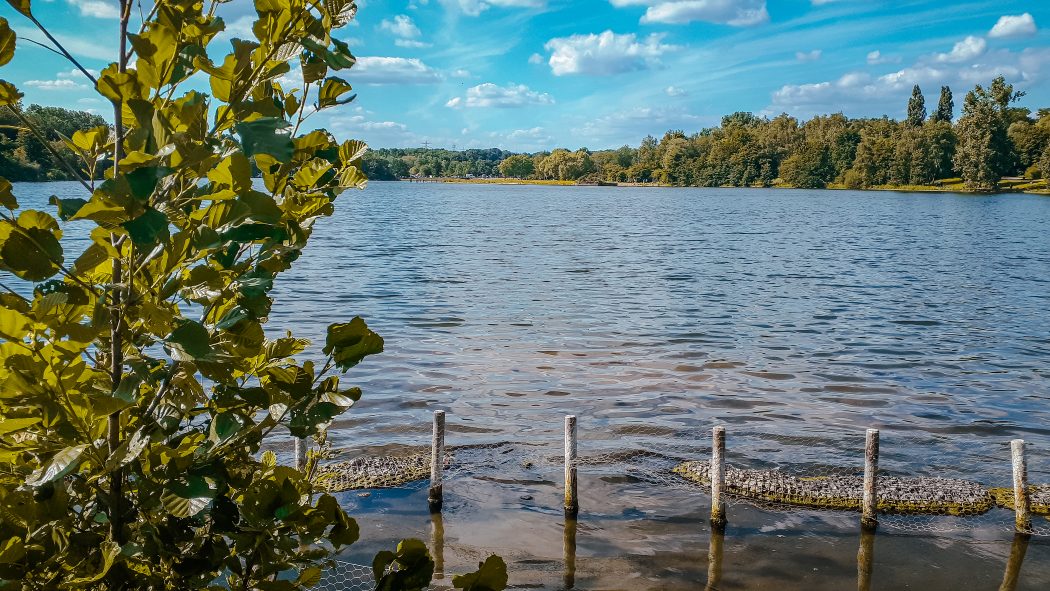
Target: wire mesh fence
point(926, 483)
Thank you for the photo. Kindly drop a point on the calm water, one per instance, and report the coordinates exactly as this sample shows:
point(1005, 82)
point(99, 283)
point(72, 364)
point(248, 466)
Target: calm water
point(796, 318)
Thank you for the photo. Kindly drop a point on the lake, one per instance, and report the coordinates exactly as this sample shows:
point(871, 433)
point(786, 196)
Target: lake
point(796, 318)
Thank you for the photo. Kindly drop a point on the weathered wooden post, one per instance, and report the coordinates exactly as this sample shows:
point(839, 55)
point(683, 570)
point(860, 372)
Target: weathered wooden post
point(437, 461)
point(572, 502)
point(301, 446)
point(569, 553)
point(868, 517)
point(1022, 504)
point(437, 544)
point(718, 476)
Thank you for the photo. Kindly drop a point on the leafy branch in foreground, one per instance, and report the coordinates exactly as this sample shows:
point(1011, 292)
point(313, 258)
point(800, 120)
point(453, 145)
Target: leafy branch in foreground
point(136, 381)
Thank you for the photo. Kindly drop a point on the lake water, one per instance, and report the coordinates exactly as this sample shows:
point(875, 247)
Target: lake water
point(797, 319)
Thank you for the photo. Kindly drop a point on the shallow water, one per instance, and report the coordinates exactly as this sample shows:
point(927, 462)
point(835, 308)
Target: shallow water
point(796, 318)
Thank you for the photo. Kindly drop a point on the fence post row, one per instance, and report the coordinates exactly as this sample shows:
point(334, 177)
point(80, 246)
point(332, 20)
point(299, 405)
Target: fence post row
point(1022, 503)
point(437, 461)
point(869, 506)
point(718, 476)
point(572, 501)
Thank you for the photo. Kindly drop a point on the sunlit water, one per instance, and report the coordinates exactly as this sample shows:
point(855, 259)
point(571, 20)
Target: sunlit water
point(796, 318)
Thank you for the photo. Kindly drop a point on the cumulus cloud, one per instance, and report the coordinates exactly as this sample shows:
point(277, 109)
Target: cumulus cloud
point(401, 26)
point(96, 8)
point(1022, 25)
point(738, 13)
point(476, 7)
point(535, 59)
point(492, 95)
point(60, 84)
point(606, 53)
point(876, 95)
point(675, 91)
point(393, 70)
point(965, 50)
point(808, 56)
point(876, 57)
point(625, 126)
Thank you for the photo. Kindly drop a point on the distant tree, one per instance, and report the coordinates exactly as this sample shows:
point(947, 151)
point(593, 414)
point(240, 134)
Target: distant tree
point(519, 166)
point(984, 153)
point(945, 106)
point(810, 168)
point(1029, 140)
point(916, 107)
point(1044, 166)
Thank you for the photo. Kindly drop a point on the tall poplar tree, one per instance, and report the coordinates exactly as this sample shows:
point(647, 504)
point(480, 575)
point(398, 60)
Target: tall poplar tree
point(945, 106)
point(916, 107)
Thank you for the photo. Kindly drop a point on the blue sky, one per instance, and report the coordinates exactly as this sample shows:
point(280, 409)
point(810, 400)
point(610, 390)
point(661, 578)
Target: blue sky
point(538, 74)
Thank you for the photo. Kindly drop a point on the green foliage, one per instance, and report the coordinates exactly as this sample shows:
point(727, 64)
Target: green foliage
point(490, 576)
point(518, 166)
point(945, 107)
point(984, 153)
point(916, 107)
point(1044, 166)
point(136, 380)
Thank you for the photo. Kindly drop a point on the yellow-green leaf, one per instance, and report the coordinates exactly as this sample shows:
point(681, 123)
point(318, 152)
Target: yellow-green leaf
point(7, 42)
point(12, 425)
point(20, 5)
point(61, 464)
point(14, 325)
point(9, 94)
point(7, 196)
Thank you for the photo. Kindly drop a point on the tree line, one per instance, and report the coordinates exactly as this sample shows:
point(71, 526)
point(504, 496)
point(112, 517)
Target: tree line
point(23, 154)
point(992, 139)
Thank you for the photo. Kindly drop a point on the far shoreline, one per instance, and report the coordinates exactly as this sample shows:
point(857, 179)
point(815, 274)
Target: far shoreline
point(832, 187)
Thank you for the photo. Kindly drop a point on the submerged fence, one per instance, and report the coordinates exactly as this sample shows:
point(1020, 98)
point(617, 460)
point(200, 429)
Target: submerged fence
point(770, 471)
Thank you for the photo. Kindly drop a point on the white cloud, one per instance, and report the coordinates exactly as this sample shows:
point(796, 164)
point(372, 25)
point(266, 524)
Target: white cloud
point(822, 2)
point(675, 91)
point(738, 13)
point(605, 54)
point(60, 84)
point(410, 43)
point(625, 126)
point(76, 74)
point(476, 7)
point(808, 56)
point(402, 26)
point(1022, 25)
point(392, 70)
point(876, 57)
point(461, 73)
point(491, 95)
point(965, 50)
point(96, 8)
point(535, 59)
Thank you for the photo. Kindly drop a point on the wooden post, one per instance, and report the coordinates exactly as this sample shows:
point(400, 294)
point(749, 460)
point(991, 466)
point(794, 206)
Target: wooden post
point(572, 502)
point(300, 453)
point(437, 544)
point(437, 461)
point(869, 518)
point(718, 476)
point(1022, 506)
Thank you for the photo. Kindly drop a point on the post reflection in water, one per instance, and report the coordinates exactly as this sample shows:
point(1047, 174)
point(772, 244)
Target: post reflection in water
point(1013, 566)
point(714, 559)
point(865, 559)
point(569, 548)
point(437, 543)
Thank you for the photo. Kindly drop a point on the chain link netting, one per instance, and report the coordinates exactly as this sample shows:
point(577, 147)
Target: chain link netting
point(927, 483)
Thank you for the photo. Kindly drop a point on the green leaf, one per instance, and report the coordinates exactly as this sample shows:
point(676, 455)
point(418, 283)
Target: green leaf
point(7, 197)
point(117, 86)
point(148, 228)
point(12, 425)
point(331, 91)
point(30, 248)
point(67, 208)
point(268, 135)
point(490, 576)
point(192, 338)
point(414, 570)
point(14, 325)
point(93, 256)
point(224, 426)
point(110, 551)
point(61, 464)
point(12, 551)
point(183, 507)
point(351, 342)
point(9, 94)
point(7, 42)
point(234, 172)
point(21, 6)
point(309, 577)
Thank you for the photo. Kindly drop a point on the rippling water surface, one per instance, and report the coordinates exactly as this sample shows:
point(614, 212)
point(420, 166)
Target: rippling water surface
point(796, 318)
